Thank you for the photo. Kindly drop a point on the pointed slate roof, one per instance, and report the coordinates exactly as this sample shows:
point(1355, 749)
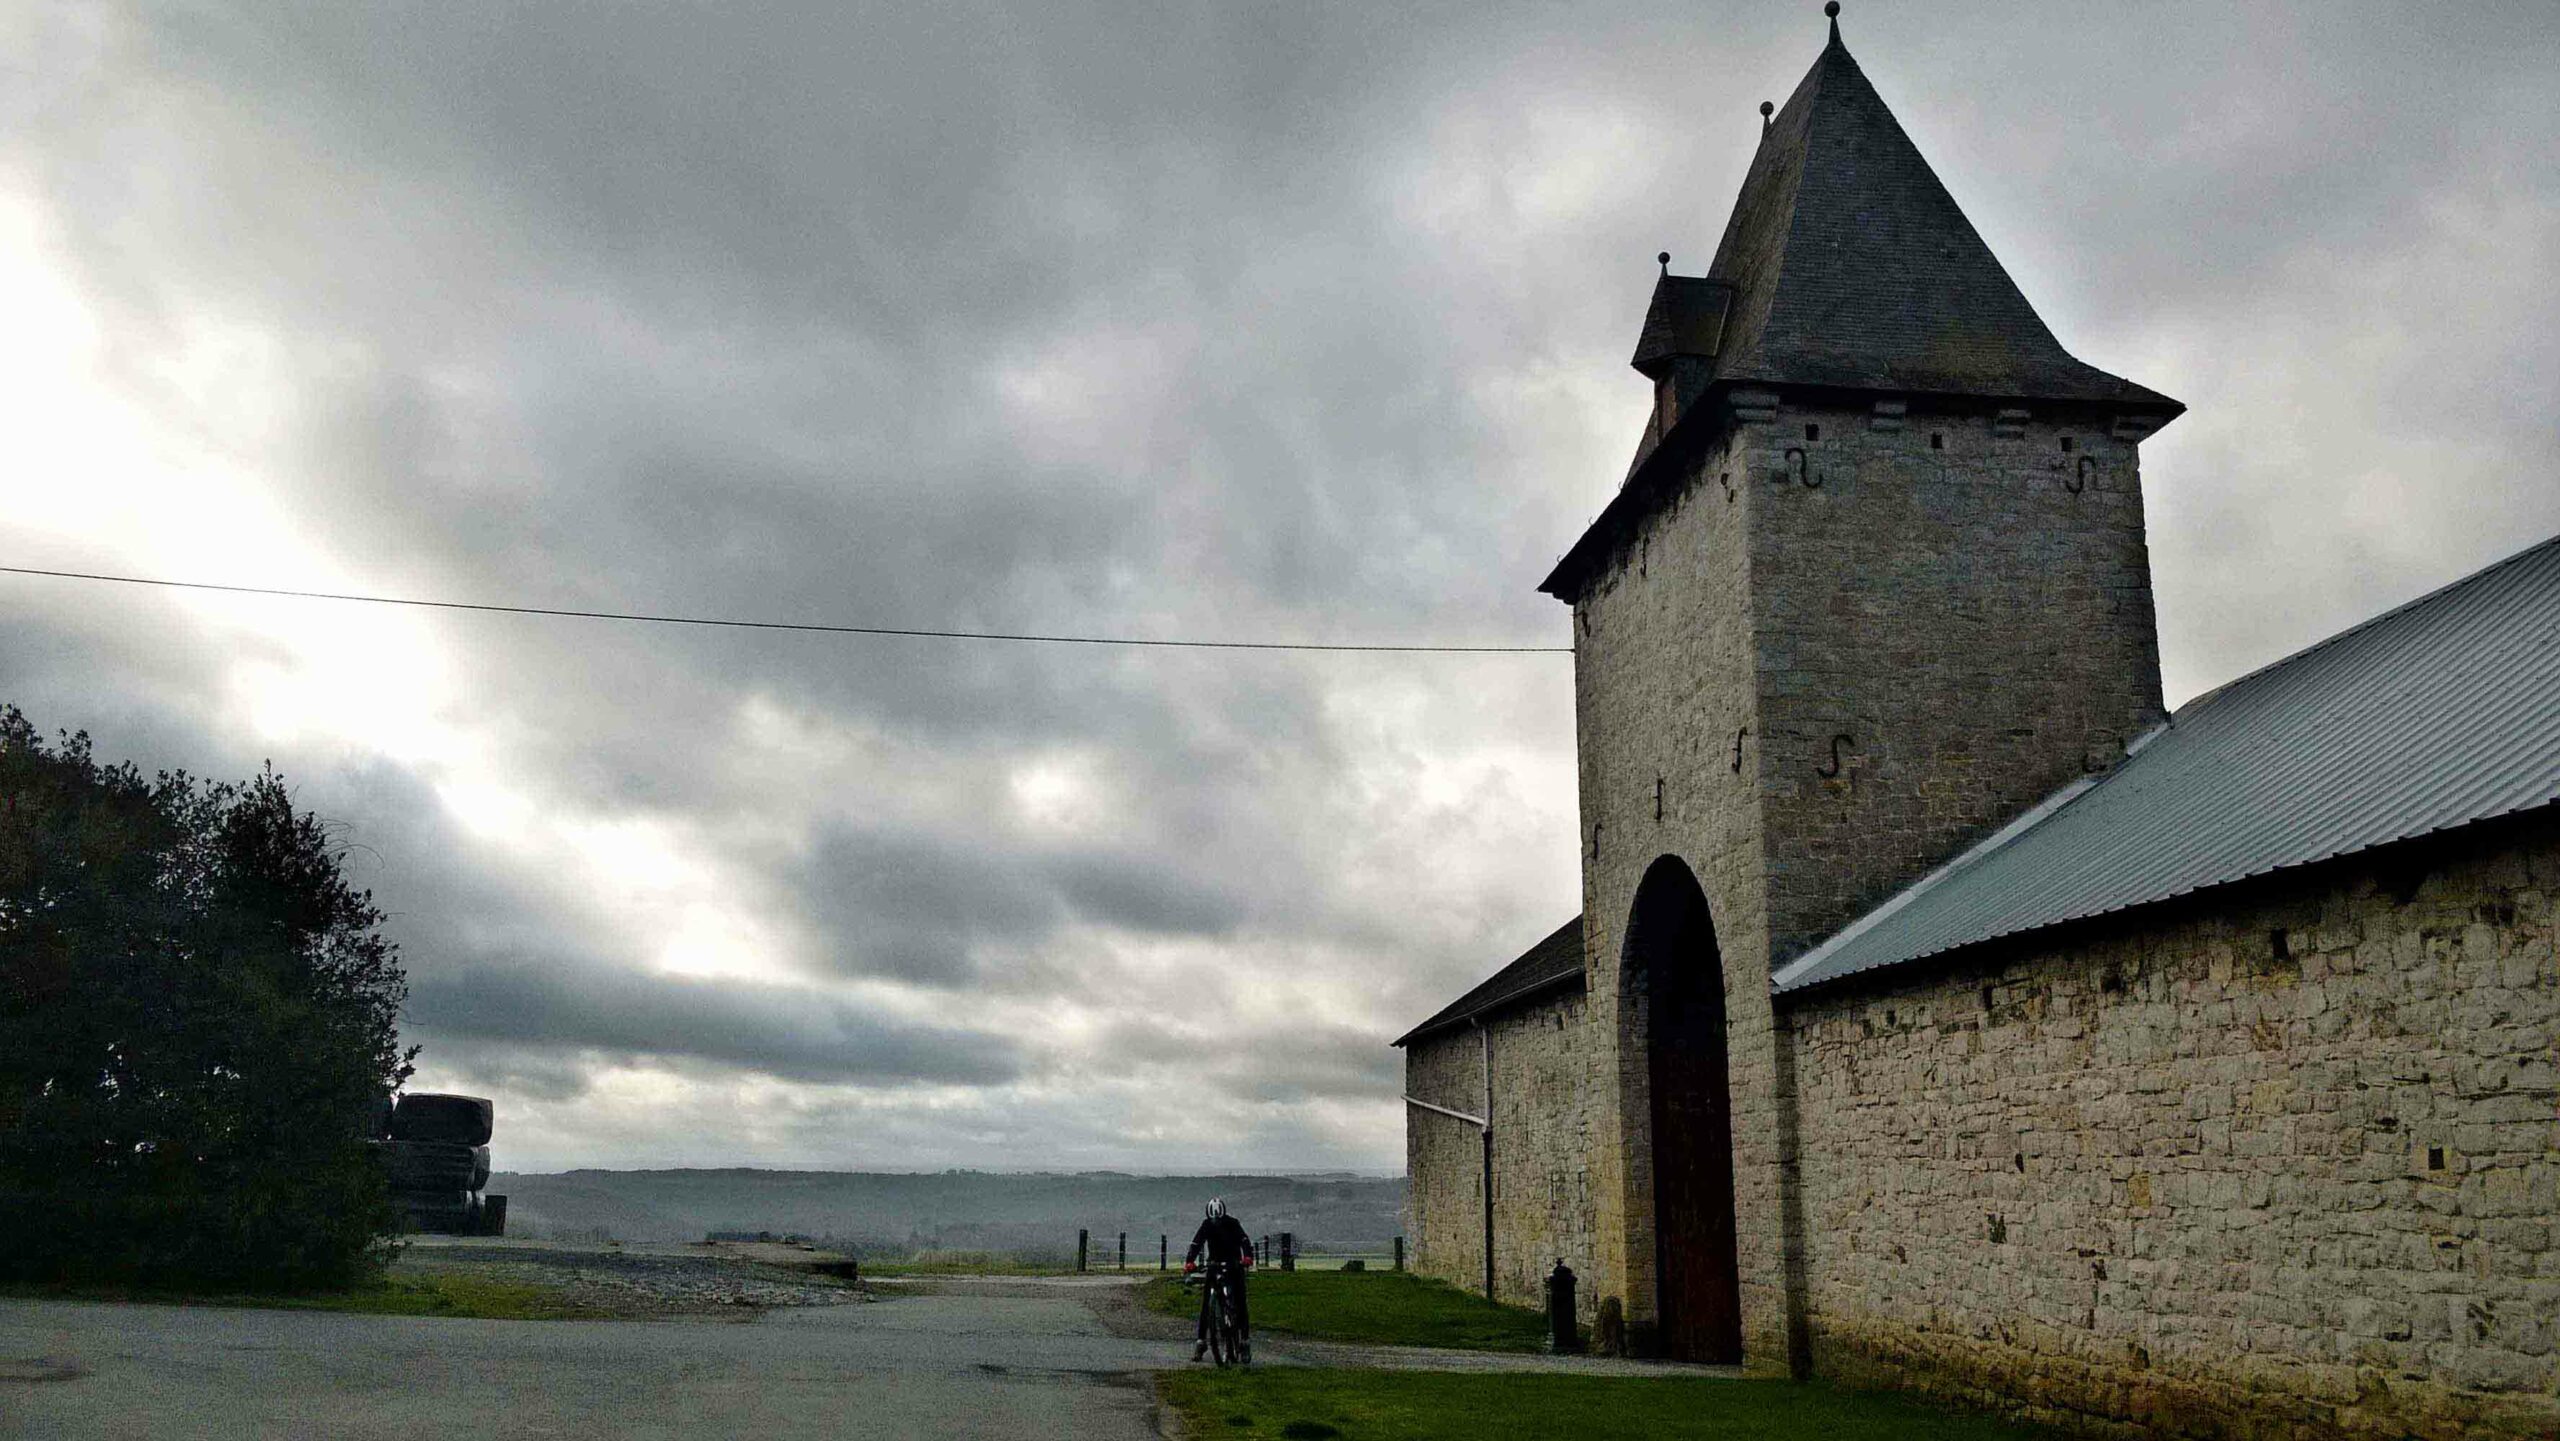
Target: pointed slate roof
point(1846, 265)
point(1853, 267)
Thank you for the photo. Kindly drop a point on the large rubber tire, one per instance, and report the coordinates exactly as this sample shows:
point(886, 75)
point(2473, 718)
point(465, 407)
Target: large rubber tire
point(493, 1215)
point(455, 1120)
point(441, 1212)
point(429, 1166)
point(479, 1167)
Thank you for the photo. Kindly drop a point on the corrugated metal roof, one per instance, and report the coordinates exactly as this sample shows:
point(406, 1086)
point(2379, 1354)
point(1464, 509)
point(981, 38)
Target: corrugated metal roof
point(1551, 963)
point(2439, 714)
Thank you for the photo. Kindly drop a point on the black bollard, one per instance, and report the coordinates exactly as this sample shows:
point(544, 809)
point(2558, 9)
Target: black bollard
point(1399, 1253)
point(1164, 1252)
point(1288, 1250)
point(1124, 1250)
point(1081, 1239)
point(1563, 1337)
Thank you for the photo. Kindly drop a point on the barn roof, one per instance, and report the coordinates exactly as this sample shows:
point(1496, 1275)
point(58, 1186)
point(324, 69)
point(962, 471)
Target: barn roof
point(2442, 713)
point(1552, 964)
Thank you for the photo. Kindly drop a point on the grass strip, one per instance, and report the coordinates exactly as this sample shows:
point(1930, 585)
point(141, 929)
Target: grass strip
point(1375, 1308)
point(1297, 1404)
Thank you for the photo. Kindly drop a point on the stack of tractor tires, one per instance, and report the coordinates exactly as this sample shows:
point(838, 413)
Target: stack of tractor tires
point(436, 1155)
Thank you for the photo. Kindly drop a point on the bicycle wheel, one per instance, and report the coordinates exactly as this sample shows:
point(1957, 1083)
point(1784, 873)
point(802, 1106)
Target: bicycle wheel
point(1219, 1341)
point(1237, 1349)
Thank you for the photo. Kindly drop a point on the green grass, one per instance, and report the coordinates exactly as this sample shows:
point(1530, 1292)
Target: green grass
point(429, 1294)
point(1292, 1404)
point(1379, 1308)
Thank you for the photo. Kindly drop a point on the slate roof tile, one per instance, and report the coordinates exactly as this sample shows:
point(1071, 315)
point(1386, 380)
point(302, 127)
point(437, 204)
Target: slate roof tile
point(1552, 964)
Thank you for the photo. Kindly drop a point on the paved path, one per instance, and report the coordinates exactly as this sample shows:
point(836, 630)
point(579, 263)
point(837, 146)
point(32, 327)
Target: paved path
point(991, 1365)
point(1065, 1357)
point(1113, 1293)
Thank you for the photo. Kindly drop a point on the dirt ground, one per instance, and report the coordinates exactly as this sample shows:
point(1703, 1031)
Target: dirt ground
point(642, 1282)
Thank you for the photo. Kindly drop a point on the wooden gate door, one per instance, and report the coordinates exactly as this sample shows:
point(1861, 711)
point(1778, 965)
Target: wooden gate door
point(1697, 1264)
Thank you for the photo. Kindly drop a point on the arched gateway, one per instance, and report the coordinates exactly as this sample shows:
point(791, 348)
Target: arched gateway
point(1673, 980)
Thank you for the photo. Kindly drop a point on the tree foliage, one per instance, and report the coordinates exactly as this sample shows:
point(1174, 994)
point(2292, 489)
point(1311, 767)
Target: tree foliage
point(198, 1020)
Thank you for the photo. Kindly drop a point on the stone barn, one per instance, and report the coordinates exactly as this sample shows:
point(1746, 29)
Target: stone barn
point(1945, 1013)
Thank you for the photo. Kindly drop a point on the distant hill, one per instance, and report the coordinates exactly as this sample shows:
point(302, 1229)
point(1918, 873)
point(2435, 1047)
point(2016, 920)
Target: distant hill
point(886, 1214)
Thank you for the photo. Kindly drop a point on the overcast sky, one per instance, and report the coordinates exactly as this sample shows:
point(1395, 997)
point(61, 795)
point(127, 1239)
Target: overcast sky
point(1287, 322)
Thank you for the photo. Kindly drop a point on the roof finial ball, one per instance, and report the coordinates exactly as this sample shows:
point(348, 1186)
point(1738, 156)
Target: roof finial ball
point(1831, 8)
point(1665, 258)
point(1766, 110)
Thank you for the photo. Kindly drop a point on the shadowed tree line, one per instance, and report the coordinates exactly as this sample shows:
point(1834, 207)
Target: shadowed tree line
point(198, 1022)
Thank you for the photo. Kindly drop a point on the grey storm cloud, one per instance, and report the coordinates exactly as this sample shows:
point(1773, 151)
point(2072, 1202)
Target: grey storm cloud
point(1271, 321)
point(917, 906)
point(783, 1031)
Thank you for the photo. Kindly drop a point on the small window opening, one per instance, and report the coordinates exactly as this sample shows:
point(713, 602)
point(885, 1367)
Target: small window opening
point(2280, 944)
point(1986, 998)
point(1888, 1018)
point(1813, 432)
point(2066, 444)
point(2019, 1160)
point(2435, 1158)
point(1937, 440)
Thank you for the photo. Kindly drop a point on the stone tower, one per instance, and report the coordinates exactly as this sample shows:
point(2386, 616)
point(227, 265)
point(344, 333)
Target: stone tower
point(1874, 585)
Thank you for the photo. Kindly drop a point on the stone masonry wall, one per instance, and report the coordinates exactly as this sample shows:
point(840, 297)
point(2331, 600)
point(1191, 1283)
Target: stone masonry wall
point(1960, 598)
point(1545, 1114)
point(2281, 1164)
point(1954, 620)
point(1662, 683)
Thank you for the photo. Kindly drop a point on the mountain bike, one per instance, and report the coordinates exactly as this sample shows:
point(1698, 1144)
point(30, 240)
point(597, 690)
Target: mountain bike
point(1227, 1343)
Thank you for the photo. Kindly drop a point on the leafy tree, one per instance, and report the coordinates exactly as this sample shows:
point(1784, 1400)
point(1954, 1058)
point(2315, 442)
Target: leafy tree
point(198, 1020)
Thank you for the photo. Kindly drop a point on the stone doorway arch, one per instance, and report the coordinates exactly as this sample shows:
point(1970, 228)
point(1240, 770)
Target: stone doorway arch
point(1673, 978)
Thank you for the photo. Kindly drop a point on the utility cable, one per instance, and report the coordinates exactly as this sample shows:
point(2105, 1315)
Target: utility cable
point(808, 627)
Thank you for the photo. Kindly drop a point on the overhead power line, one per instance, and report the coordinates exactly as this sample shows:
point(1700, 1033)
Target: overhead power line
point(808, 627)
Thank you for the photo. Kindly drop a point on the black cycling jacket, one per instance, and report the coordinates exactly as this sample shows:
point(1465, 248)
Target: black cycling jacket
point(1221, 1240)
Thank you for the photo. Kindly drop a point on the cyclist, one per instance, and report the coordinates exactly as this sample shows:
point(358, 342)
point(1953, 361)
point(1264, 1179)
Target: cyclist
point(1221, 1242)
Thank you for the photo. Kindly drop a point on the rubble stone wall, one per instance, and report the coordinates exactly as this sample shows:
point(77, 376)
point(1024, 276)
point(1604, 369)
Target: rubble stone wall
point(1545, 1114)
point(2278, 1164)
